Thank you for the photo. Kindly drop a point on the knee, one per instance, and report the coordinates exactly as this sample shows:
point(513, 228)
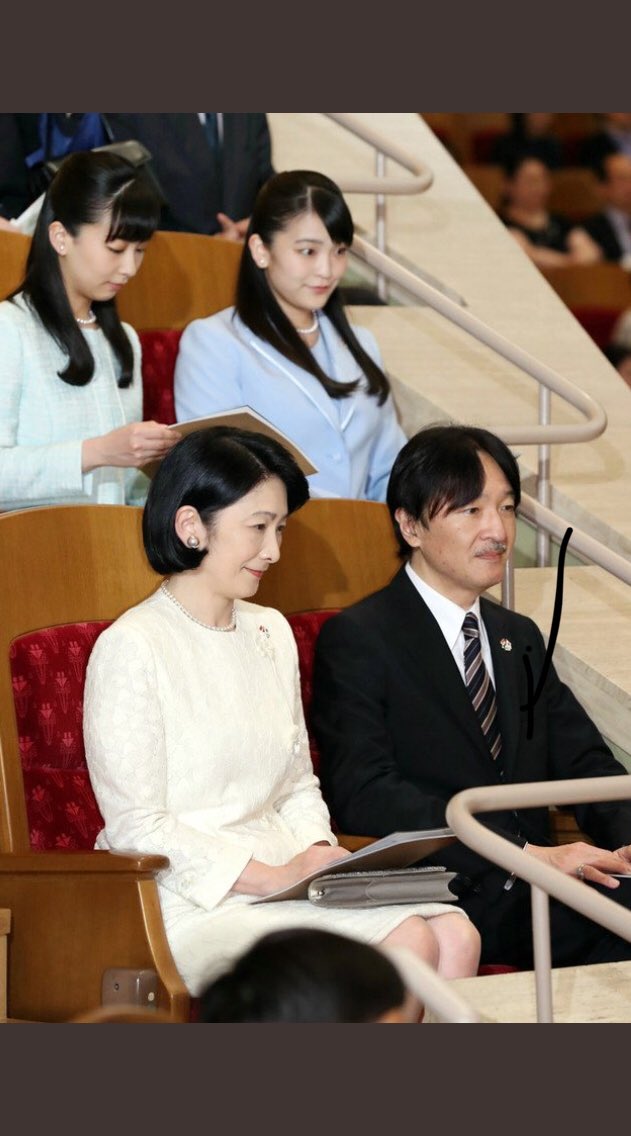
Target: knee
point(457, 934)
point(417, 935)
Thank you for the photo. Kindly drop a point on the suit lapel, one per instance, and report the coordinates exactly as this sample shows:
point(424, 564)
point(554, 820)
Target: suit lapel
point(433, 668)
point(344, 368)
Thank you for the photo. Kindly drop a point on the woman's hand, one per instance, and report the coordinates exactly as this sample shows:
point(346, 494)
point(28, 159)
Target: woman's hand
point(258, 878)
point(131, 445)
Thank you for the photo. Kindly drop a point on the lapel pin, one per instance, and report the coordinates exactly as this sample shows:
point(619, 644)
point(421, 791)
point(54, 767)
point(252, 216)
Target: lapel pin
point(506, 644)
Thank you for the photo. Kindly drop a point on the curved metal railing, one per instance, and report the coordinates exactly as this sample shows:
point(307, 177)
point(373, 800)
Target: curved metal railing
point(419, 286)
point(543, 879)
point(593, 412)
point(422, 175)
point(583, 545)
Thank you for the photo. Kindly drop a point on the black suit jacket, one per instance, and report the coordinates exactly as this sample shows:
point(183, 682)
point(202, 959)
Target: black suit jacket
point(184, 166)
point(398, 736)
point(18, 137)
point(602, 231)
point(596, 148)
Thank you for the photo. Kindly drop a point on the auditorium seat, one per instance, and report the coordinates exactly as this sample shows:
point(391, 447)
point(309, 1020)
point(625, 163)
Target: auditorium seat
point(184, 276)
point(602, 285)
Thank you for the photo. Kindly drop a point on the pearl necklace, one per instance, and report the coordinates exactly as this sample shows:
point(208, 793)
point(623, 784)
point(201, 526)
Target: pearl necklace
point(309, 330)
point(87, 322)
point(209, 626)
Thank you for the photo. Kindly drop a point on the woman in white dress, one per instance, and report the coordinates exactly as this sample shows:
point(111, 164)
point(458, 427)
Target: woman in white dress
point(70, 381)
point(194, 730)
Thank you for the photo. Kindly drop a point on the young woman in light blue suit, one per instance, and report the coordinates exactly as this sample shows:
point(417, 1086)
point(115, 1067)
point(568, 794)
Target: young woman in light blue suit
point(287, 349)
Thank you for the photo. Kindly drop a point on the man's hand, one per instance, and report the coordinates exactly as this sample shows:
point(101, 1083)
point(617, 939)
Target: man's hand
point(595, 863)
point(232, 230)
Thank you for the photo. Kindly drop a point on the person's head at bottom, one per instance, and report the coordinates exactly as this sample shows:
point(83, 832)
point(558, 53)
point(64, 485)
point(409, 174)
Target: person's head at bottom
point(306, 975)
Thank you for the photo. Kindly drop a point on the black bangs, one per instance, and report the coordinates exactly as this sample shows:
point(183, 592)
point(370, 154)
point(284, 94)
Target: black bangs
point(458, 486)
point(135, 212)
point(334, 214)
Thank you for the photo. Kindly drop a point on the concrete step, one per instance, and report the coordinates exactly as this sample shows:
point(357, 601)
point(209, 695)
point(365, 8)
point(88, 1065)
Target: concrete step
point(597, 993)
point(593, 649)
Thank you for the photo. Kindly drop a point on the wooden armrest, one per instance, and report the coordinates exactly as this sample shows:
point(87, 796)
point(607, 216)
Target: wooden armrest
point(75, 915)
point(564, 827)
point(354, 843)
point(117, 863)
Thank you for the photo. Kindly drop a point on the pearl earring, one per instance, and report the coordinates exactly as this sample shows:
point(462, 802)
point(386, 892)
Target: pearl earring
point(192, 542)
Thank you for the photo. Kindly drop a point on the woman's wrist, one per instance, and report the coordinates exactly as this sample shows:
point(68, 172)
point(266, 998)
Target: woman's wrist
point(258, 878)
point(90, 455)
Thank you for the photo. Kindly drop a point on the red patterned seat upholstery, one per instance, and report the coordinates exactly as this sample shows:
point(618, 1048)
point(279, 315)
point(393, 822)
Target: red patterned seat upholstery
point(306, 628)
point(159, 352)
point(48, 675)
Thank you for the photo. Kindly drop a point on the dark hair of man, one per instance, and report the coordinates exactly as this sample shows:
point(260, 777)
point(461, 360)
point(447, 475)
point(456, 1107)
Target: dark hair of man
point(86, 187)
point(514, 161)
point(602, 167)
point(305, 975)
point(283, 197)
point(211, 469)
point(616, 353)
point(439, 468)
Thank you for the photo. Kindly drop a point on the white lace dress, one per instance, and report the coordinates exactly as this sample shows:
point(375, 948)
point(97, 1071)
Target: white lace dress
point(197, 749)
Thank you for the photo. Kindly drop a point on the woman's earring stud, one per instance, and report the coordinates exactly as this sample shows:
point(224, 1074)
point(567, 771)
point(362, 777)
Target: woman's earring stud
point(192, 542)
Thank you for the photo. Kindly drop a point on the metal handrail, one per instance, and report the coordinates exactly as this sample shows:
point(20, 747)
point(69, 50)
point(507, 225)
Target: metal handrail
point(582, 543)
point(596, 418)
point(422, 174)
point(544, 879)
point(435, 992)
point(387, 269)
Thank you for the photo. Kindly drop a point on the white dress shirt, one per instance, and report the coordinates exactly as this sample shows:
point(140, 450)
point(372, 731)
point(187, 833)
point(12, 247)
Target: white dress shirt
point(450, 617)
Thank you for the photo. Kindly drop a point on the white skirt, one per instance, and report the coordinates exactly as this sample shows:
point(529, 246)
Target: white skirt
point(205, 943)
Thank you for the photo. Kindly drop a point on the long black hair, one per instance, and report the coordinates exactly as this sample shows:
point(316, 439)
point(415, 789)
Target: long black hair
point(88, 186)
point(283, 197)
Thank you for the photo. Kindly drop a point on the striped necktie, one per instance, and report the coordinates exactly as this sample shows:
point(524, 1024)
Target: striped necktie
point(479, 685)
point(211, 126)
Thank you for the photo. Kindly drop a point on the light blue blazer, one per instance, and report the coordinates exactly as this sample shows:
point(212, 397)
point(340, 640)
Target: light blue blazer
point(353, 441)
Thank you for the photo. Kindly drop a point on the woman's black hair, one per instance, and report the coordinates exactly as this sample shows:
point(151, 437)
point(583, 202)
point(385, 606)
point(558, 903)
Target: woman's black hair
point(283, 197)
point(440, 468)
point(211, 469)
point(305, 975)
point(87, 186)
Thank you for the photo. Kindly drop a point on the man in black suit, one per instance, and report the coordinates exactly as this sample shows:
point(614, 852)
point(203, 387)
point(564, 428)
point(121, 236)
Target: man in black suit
point(209, 172)
point(611, 229)
point(614, 137)
point(209, 178)
point(393, 714)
